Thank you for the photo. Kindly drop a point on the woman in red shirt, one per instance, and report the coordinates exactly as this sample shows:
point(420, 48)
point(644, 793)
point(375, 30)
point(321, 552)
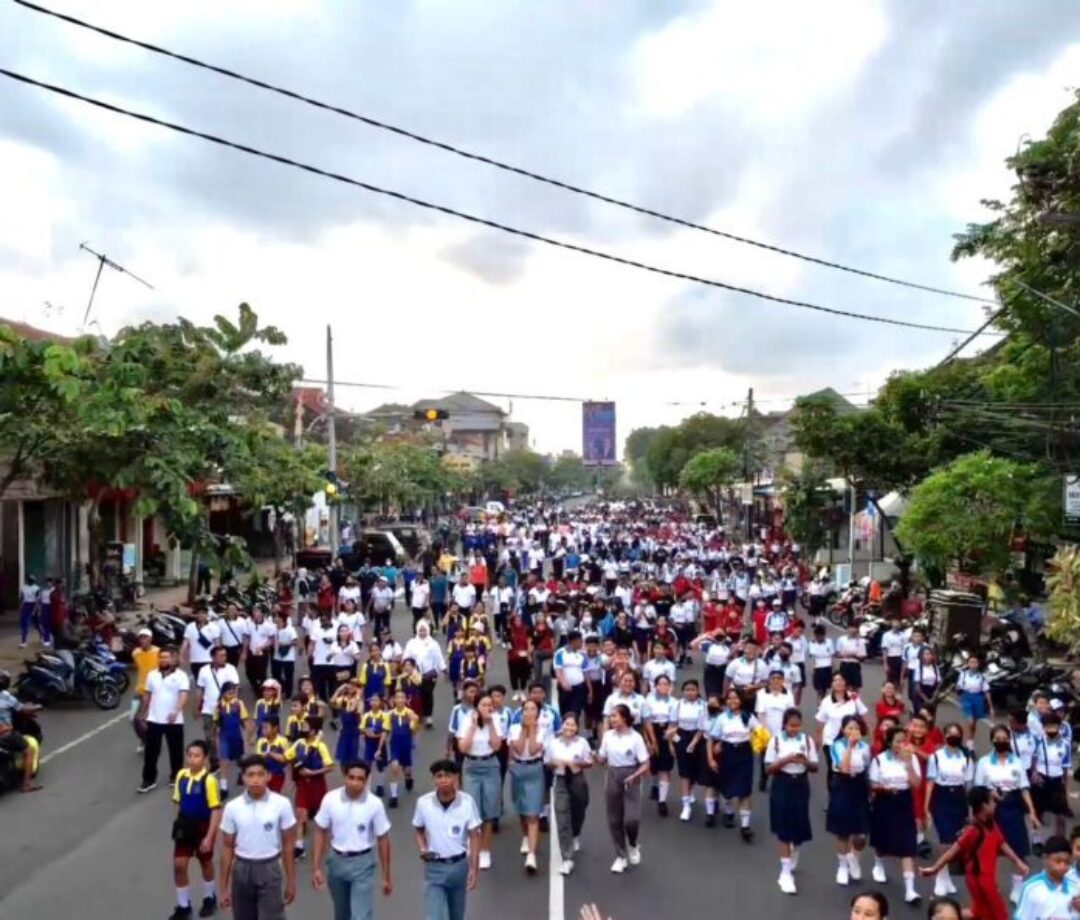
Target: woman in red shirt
point(543, 645)
point(890, 703)
point(925, 744)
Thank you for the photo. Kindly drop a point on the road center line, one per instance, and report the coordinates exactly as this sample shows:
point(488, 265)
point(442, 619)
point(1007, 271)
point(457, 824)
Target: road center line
point(64, 748)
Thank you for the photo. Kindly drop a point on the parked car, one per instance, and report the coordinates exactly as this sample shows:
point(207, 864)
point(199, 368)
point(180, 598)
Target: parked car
point(375, 546)
point(414, 538)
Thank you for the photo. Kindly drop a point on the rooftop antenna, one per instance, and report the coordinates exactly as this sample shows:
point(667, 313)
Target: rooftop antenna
point(104, 260)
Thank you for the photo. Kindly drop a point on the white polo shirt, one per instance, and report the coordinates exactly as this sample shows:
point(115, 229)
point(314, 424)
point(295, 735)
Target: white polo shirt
point(232, 632)
point(622, 749)
point(464, 596)
point(165, 690)
point(210, 633)
point(571, 664)
point(354, 824)
point(446, 827)
point(1040, 899)
point(210, 681)
point(260, 636)
point(258, 824)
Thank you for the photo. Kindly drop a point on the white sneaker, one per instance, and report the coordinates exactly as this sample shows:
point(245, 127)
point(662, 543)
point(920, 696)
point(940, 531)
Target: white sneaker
point(22, 645)
point(854, 867)
point(794, 858)
point(530, 864)
point(912, 897)
point(577, 844)
point(842, 874)
point(877, 874)
point(684, 815)
point(524, 846)
point(787, 883)
point(950, 884)
point(567, 867)
point(941, 885)
point(619, 866)
point(485, 859)
point(635, 856)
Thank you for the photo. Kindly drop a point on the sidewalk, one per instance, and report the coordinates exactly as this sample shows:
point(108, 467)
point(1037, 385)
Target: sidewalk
point(12, 657)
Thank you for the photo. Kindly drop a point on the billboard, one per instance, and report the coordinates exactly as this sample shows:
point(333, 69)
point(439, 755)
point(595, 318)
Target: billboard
point(1072, 500)
point(598, 434)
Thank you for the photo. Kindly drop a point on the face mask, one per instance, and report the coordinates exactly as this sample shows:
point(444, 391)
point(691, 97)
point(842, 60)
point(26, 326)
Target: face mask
point(714, 710)
point(953, 741)
point(1002, 746)
point(784, 656)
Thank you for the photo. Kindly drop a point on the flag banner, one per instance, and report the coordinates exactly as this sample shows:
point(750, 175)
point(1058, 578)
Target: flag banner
point(598, 434)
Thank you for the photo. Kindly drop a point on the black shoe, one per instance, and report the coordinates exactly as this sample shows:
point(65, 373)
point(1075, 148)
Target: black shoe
point(334, 725)
point(710, 820)
point(181, 913)
point(661, 809)
point(747, 835)
point(408, 784)
point(393, 801)
point(926, 851)
point(495, 826)
point(729, 820)
point(209, 907)
point(380, 791)
point(654, 794)
point(544, 826)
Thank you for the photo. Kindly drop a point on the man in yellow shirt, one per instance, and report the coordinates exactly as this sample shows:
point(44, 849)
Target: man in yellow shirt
point(145, 658)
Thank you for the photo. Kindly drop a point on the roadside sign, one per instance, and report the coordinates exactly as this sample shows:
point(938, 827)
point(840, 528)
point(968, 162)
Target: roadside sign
point(1072, 499)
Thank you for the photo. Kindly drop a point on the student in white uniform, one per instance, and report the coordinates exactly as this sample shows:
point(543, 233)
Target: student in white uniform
point(848, 815)
point(626, 695)
point(1049, 895)
point(821, 651)
point(1006, 774)
point(789, 758)
point(949, 772)
point(834, 708)
point(730, 756)
point(627, 759)
point(1051, 766)
point(893, 641)
point(657, 715)
point(894, 777)
point(772, 702)
point(686, 734)
point(568, 756)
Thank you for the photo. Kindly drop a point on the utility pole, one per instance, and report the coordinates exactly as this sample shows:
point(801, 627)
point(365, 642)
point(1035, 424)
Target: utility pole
point(102, 261)
point(748, 474)
point(331, 437)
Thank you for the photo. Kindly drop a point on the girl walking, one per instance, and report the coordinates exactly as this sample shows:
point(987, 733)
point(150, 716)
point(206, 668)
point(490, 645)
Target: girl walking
point(627, 759)
point(894, 774)
point(789, 759)
point(848, 815)
point(479, 740)
point(731, 757)
point(568, 756)
point(685, 733)
point(949, 772)
point(526, 740)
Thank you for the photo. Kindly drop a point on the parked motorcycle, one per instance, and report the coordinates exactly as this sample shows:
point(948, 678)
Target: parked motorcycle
point(118, 670)
point(63, 675)
point(11, 762)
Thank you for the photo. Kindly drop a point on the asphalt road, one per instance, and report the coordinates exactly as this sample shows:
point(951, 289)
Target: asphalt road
point(89, 846)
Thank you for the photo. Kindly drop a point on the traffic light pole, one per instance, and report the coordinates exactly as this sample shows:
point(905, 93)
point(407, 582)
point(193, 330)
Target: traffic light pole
point(331, 438)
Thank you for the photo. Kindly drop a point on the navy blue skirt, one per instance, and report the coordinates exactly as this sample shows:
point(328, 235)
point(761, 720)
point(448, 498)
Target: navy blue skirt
point(736, 770)
point(1012, 819)
point(949, 809)
point(664, 760)
point(823, 679)
point(789, 808)
point(852, 673)
point(892, 824)
point(849, 806)
point(690, 762)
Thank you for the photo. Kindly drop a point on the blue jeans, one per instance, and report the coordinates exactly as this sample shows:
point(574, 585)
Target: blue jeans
point(26, 617)
point(445, 890)
point(351, 880)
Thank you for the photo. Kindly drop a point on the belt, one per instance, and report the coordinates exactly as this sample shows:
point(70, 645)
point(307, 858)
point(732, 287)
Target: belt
point(479, 757)
point(348, 854)
point(529, 760)
point(260, 859)
point(448, 859)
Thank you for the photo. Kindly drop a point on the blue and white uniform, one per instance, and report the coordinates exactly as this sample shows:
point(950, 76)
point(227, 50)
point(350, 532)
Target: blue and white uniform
point(951, 770)
point(1008, 777)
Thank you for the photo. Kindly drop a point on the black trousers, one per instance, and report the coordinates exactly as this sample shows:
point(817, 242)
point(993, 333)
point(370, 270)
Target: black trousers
point(573, 700)
point(173, 736)
point(232, 654)
point(322, 675)
point(256, 666)
point(283, 673)
point(427, 696)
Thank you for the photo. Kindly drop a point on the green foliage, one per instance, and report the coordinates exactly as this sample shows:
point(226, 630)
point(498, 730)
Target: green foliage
point(399, 473)
point(1063, 583)
point(657, 455)
point(809, 502)
point(710, 472)
point(964, 514)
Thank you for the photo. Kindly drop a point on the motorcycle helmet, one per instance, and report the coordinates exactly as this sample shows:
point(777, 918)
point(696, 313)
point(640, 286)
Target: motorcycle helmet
point(5, 680)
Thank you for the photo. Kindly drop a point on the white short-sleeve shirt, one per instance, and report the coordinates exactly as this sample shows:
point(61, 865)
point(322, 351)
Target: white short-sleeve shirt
point(447, 828)
point(892, 772)
point(210, 635)
point(576, 751)
point(622, 749)
point(782, 745)
point(831, 714)
point(165, 690)
point(354, 824)
point(258, 824)
point(950, 767)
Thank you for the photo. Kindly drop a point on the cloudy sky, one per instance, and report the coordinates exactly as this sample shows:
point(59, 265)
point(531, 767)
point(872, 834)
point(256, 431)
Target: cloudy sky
point(863, 132)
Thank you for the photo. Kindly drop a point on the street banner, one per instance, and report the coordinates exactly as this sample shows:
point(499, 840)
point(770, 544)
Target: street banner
point(1072, 499)
point(598, 434)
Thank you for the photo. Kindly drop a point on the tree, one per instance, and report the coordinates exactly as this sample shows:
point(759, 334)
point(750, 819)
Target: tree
point(809, 506)
point(709, 473)
point(1063, 583)
point(657, 455)
point(395, 473)
point(965, 514)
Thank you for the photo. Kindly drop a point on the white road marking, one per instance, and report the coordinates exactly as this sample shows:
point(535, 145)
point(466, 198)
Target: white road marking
point(64, 748)
point(556, 892)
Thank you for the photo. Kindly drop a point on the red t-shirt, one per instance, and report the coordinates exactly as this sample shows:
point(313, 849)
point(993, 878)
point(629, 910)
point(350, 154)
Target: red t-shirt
point(883, 710)
point(980, 857)
point(519, 640)
point(543, 639)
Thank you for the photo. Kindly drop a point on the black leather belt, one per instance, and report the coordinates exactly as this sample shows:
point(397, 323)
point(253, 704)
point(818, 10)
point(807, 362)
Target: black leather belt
point(448, 859)
point(479, 757)
point(348, 854)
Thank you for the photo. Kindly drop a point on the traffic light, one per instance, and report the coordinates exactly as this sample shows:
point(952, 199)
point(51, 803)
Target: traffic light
point(430, 415)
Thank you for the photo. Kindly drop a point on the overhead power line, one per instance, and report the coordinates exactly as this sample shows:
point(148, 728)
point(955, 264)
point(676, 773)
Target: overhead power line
point(490, 161)
point(472, 218)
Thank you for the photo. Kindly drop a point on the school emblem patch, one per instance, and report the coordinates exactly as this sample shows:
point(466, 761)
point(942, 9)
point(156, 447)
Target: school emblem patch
point(268, 826)
point(456, 829)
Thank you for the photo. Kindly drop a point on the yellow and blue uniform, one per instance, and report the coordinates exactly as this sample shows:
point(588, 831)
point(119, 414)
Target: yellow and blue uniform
point(374, 725)
point(473, 669)
point(197, 794)
point(410, 684)
point(267, 711)
point(456, 649)
point(402, 724)
point(314, 755)
point(230, 718)
point(348, 743)
point(375, 679)
point(278, 745)
point(294, 728)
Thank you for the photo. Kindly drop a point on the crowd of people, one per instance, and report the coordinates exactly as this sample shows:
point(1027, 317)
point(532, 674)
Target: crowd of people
point(615, 609)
